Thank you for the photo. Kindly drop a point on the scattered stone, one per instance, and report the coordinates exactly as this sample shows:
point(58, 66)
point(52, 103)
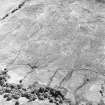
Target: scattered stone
point(16, 103)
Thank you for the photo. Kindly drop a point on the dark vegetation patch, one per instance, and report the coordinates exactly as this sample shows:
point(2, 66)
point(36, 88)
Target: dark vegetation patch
point(33, 92)
point(100, 1)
